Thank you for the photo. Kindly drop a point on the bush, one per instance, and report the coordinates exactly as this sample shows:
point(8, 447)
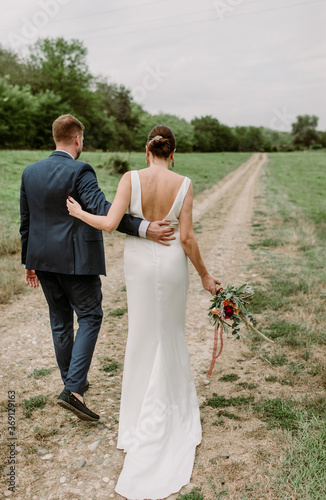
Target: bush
point(119, 165)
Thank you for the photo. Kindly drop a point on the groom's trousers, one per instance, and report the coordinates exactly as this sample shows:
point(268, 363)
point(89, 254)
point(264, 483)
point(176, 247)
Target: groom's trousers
point(64, 294)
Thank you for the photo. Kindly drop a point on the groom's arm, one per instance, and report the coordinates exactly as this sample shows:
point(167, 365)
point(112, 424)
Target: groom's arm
point(30, 276)
point(94, 201)
point(24, 221)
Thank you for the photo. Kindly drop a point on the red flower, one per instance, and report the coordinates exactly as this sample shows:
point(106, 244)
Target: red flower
point(228, 312)
point(218, 291)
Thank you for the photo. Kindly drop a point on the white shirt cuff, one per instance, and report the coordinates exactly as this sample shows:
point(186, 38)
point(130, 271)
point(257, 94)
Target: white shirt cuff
point(143, 228)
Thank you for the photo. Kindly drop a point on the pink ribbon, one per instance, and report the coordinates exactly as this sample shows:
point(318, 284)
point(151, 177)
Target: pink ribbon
point(215, 356)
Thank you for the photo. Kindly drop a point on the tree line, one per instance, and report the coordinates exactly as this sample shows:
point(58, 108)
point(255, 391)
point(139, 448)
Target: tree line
point(54, 79)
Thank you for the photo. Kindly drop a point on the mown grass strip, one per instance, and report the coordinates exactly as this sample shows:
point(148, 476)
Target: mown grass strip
point(289, 242)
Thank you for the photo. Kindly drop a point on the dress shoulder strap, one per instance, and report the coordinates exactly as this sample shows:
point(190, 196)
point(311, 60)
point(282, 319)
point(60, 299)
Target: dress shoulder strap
point(178, 202)
point(135, 200)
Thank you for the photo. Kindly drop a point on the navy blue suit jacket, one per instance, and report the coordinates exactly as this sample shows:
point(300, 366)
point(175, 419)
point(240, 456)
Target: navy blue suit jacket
point(51, 239)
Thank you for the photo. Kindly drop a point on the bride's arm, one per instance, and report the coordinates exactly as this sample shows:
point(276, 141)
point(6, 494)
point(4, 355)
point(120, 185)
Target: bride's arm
point(190, 245)
point(118, 208)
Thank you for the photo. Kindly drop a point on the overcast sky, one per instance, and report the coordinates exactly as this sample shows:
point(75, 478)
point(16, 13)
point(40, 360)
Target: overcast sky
point(245, 62)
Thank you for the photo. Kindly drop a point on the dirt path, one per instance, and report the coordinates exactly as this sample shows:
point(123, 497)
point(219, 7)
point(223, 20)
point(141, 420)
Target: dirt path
point(60, 457)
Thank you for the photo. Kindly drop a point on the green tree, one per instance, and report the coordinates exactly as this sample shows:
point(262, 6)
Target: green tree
point(25, 118)
point(251, 139)
point(12, 65)
point(304, 130)
point(143, 127)
point(210, 135)
point(60, 66)
point(120, 119)
point(205, 133)
point(322, 139)
point(276, 140)
point(228, 139)
point(17, 109)
point(48, 107)
point(117, 102)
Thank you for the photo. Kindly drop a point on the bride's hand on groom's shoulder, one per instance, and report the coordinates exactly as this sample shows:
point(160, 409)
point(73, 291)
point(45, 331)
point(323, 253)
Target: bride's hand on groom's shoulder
point(209, 283)
point(73, 207)
point(160, 232)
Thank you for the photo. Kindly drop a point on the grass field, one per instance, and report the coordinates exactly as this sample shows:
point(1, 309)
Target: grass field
point(205, 169)
point(290, 248)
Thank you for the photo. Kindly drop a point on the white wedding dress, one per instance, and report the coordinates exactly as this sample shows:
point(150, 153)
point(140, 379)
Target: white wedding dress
point(159, 425)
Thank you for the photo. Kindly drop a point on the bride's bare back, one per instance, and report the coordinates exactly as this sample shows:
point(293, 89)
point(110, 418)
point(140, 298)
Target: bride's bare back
point(159, 188)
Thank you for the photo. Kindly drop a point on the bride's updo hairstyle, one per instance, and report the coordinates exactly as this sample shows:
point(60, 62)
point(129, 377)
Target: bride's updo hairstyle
point(161, 141)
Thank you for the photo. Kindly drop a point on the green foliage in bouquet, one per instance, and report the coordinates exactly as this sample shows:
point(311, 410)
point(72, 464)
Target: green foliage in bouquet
point(232, 304)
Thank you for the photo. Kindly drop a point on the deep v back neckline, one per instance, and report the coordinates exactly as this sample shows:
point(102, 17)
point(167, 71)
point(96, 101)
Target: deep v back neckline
point(173, 204)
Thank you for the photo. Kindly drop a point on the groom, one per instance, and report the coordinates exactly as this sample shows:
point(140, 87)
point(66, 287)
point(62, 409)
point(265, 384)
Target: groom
point(67, 256)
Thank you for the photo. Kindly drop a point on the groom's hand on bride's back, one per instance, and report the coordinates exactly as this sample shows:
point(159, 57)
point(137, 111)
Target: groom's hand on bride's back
point(160, 232)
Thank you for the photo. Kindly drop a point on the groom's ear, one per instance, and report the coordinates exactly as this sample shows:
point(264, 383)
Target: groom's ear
point(78, 139)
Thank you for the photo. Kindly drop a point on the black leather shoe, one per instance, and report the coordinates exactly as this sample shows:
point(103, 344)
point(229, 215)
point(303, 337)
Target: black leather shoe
point(70, 402)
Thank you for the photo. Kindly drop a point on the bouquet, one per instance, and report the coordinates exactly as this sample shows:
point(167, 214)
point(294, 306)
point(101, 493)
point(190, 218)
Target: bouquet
point(231, 304)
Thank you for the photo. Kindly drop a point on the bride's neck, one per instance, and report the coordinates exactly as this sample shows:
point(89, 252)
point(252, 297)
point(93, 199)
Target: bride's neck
point(159, 163)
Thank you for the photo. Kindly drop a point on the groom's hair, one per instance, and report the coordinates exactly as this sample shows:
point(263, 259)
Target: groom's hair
point(65, 128)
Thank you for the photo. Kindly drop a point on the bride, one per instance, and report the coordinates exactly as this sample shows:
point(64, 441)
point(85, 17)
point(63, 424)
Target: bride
point(159, 425)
